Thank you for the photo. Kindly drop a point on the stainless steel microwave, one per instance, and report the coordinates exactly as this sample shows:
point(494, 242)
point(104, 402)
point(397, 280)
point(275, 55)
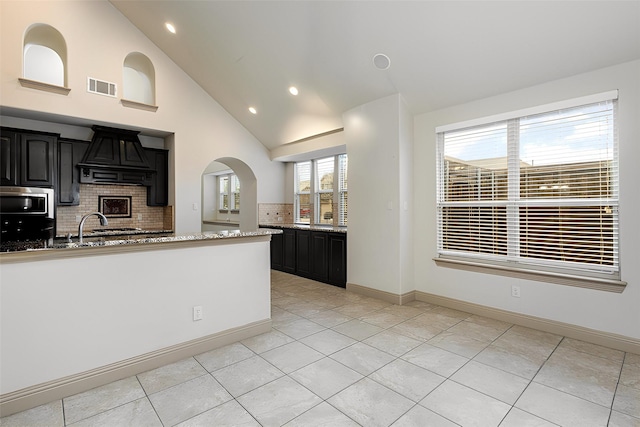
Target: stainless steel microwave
point(31, 201)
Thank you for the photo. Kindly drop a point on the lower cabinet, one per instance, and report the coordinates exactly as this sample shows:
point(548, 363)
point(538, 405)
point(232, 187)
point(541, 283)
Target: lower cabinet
point(317, 255)
point(277, 251)
point(303, 253)
point(318, 265)
point(289, 251)
point(337, 259)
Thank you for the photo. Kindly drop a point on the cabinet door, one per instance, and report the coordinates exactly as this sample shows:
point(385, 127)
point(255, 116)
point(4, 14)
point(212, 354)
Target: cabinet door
point(158, 191)
point(338, 259)
point(8, 158)
point(37, 155)
point(303, 254)
point(70, 153)
point(289, 250)
point(318, 255)
point(276, 252)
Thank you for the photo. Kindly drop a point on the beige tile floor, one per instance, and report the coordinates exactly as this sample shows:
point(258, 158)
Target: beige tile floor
point(335, 358)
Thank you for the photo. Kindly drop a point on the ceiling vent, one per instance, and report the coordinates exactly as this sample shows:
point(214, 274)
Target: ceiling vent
point(101, 87)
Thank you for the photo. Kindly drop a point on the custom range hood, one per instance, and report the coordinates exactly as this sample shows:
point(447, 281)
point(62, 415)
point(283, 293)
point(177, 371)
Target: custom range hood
point(115, 156)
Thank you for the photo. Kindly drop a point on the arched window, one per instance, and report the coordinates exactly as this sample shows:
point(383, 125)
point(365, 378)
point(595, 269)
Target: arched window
point(139, 79)
point(45, 55)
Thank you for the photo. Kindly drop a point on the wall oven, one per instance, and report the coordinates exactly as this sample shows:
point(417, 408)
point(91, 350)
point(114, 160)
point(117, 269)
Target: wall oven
point(27, 215)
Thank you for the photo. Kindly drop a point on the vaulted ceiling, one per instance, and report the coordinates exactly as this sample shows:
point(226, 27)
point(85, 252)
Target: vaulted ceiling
point(442, 53)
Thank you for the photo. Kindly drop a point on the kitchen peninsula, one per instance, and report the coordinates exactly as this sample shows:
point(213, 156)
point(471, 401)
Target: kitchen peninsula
point(78, 316)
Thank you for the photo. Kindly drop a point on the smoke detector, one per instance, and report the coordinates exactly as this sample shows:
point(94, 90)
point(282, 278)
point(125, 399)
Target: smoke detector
point(381, 61)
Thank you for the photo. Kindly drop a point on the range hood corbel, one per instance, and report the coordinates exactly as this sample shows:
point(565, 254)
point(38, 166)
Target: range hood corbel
point(115, 156)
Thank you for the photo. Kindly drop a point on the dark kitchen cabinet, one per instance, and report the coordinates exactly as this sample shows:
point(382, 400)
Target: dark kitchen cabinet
point(303, 253)
point(8, 158)
point(289, 250)
point(37, 159)
point(158, 191)
point(70, 153)
point(28, 158)
point(317, 255)
point(277, 252)
point(283, 250)
point(337, 259)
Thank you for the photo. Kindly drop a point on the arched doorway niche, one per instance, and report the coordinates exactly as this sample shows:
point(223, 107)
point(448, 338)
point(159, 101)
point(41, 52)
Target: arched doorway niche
point(248, 215)
point(44, 53)
point(139, 79)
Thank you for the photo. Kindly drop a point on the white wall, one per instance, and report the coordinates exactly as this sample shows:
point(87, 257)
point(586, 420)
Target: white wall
point(599, 310)
point(75, 314)
point(98, 40)
point(377, 135)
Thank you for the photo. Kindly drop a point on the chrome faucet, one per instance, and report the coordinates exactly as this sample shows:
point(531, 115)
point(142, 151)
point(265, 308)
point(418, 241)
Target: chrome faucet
point(103, 222)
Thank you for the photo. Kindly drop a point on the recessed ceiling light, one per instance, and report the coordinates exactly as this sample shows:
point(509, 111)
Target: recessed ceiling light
point(170, 27)
point(253, 110)
point(293, 90)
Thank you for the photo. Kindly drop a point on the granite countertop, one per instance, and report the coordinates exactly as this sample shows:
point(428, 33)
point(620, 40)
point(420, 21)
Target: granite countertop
point(316, 227)
point(132, 242)
point(207, 235)
point(115, 231)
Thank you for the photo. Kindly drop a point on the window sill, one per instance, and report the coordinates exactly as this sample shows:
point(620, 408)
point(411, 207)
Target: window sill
point(46, 87)
point(608, 285)
point(139, 105)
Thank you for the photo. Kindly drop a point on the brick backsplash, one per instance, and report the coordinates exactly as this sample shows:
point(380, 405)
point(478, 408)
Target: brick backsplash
point(152, 217)
point(268, 213)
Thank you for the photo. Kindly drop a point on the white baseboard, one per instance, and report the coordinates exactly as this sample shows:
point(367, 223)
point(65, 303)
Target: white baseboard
point(41, 394)
point(381, 295)
point(618, 342)
point(607, 339)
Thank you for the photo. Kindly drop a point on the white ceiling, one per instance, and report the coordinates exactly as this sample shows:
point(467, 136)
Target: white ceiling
point(443, 53)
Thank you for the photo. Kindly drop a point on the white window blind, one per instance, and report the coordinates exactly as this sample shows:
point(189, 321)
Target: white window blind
point(538, 191)
point(235, 193)
point(324, 190)
point(321, 191)
point(223, 192)
point(303, 192)
point(228, 193)
point(343, 163)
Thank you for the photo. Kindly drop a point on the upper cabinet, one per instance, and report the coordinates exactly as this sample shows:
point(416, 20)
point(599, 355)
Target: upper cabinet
point(70, 153)
point(158, 191)
point(8, 158)
point(28, 159)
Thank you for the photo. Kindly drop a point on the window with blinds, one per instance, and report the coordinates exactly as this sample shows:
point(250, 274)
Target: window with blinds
point(343, 163)
point(228, 193)
point(324, 190)
point(302, 196)
point(318, 194)
point(538, 191)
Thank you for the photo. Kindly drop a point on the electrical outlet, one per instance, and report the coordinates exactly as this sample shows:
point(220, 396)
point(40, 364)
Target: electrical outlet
point(197, 313)
point(139, 217)
point(78, 218)
point(515, 291)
